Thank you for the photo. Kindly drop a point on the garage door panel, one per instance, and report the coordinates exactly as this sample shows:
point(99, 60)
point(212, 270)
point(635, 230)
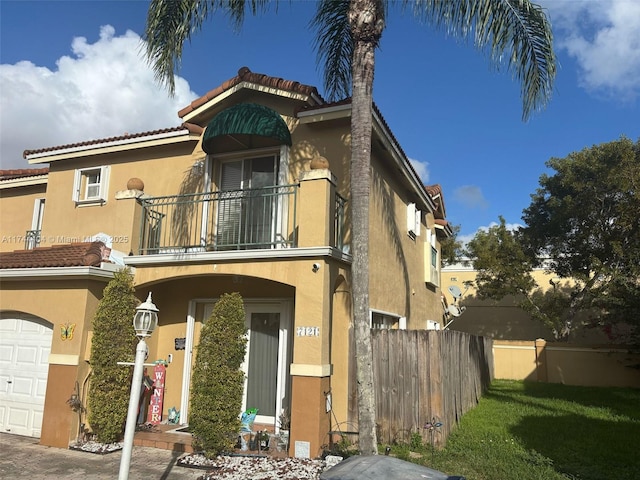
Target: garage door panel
point(18, 418)
point(23, 386)
point(6, 354)
point(25, 344)
point(41, 388)
point(29, 327)
point(43, 360)
point(9, 325)
point(26, 355)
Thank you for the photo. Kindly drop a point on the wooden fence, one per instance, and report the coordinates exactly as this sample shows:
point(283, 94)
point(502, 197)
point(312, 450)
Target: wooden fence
point(426, 377)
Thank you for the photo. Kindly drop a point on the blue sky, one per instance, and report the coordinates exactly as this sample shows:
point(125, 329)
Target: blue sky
point(72, 71)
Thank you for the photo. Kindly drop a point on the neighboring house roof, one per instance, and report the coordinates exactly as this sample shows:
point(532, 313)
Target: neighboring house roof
point(22, 173)
point(83, 254)
point(196, 129)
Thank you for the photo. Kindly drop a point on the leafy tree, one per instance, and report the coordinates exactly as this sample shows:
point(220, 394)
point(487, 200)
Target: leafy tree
point(514, 32)
point(113, 341)
point(217, 383)
point(583, 226)
point(584, 218)
point(452, 249)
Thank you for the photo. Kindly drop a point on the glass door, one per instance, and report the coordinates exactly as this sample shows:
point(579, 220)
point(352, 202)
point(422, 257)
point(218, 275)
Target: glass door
point(246, 206)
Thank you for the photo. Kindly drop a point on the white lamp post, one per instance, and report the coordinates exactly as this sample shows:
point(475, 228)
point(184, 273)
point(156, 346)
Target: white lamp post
point(144, 322)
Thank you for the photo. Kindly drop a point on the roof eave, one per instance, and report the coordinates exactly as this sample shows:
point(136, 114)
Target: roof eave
point(24, 181)
point(110, 146)
point(103, 273)
point(201, 114)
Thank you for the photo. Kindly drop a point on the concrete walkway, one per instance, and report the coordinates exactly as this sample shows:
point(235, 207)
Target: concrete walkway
point(23, 457)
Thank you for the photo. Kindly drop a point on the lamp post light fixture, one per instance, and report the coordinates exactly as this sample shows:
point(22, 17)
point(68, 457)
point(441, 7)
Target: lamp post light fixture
point(144, 322)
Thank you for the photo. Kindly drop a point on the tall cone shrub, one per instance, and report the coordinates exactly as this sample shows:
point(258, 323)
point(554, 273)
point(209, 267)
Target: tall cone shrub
point(217, 382)
point(114, 341)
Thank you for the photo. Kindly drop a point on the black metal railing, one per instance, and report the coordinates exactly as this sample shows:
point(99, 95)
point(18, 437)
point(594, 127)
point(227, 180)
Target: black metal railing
point(261, 218)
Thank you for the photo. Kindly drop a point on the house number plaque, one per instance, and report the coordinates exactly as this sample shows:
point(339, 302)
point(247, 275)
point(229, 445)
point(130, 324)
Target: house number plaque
point(307, 331)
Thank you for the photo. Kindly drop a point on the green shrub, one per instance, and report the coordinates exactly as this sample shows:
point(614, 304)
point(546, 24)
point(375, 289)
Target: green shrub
point(217, 383)
point(114, 340)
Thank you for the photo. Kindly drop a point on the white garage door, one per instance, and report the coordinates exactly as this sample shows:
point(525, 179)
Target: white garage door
point(25, 343)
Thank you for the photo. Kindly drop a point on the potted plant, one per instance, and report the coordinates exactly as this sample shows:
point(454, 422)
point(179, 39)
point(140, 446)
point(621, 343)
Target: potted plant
point(284, 423)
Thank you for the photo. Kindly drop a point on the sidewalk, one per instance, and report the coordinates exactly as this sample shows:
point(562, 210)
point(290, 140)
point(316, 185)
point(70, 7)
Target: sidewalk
point(23, 457)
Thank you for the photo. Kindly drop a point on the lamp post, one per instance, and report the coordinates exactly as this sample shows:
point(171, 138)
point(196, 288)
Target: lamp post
point(144, 322)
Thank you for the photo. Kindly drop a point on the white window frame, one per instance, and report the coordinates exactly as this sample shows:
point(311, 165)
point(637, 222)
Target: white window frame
point(389, 320)
point(431, 271)
point(414, 217)
point(81, 185)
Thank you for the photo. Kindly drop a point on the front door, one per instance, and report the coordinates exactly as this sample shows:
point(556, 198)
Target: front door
point(266, 360)
point(265, 365)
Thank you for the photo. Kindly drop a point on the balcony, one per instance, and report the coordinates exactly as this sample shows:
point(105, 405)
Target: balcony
point(262, 218)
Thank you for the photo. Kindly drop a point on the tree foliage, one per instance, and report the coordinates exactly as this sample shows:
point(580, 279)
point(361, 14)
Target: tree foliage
point(583, 222)
point(113, 341)
point(451, 248)
point(217, 383)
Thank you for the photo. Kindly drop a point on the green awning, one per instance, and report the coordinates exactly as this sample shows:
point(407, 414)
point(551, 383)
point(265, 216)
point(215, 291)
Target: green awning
point(244, 122)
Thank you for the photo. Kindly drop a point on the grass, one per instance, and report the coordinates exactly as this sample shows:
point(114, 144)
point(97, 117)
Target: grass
point(536, 431)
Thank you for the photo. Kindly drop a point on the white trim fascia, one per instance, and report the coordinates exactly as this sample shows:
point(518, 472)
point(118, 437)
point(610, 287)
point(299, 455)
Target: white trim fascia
point(59, 273)
point(24, 181)
point(325, 113)
point(240, 86)
point(124, 144)
point(237, 255)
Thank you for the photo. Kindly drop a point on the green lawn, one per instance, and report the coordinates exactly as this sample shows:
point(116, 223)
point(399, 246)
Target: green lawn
point(523, 431)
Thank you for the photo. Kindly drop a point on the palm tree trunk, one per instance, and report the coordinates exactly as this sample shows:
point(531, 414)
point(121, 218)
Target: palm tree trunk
point(362, 17)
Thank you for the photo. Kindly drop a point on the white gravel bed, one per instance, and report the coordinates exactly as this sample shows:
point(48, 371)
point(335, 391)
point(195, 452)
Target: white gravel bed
point(241, 467)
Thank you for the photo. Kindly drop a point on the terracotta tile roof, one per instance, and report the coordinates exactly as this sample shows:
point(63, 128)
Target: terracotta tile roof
point(435, 192)
point(84, 254)
point(126, 136)
point(22, 173)
point(246, 75)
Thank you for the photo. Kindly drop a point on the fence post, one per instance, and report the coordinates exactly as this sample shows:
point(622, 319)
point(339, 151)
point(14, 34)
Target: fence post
point(435, 377)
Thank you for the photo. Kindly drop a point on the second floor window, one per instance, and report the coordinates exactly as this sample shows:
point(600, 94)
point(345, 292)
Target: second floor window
point(90, 185)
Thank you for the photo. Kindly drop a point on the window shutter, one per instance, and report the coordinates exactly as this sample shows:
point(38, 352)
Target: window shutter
point(104, 183)
point(76, 186)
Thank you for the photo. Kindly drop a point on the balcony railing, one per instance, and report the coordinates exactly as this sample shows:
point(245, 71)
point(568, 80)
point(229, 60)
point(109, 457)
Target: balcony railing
point(260, 218)
point(32, 239)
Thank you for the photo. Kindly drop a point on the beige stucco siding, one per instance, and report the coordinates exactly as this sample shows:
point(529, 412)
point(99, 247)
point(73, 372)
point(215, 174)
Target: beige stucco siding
point(16, 214)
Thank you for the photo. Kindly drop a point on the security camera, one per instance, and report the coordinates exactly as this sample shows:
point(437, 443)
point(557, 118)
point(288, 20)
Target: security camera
point(316, 267)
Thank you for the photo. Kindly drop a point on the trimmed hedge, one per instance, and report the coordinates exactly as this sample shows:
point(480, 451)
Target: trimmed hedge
point(217, 382)
point(114, 340)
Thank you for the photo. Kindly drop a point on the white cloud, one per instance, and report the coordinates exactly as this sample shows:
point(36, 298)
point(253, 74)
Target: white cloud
point(510, 226)
point(422, 169)
point(105, 89)
point(470, 196)
point(603, 36)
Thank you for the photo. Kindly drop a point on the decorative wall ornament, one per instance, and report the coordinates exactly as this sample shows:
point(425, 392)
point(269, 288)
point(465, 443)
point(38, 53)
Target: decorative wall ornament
point(66, 331)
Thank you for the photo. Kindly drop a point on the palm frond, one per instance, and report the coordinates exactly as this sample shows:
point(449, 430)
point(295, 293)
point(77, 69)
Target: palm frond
point(171, 22)
point(334, 46)
point(516, 33)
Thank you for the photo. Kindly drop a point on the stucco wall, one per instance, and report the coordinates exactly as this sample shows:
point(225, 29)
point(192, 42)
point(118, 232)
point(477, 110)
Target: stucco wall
point(16, 214)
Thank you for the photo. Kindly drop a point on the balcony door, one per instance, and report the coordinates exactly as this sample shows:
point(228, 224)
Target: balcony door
point(246, 209)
